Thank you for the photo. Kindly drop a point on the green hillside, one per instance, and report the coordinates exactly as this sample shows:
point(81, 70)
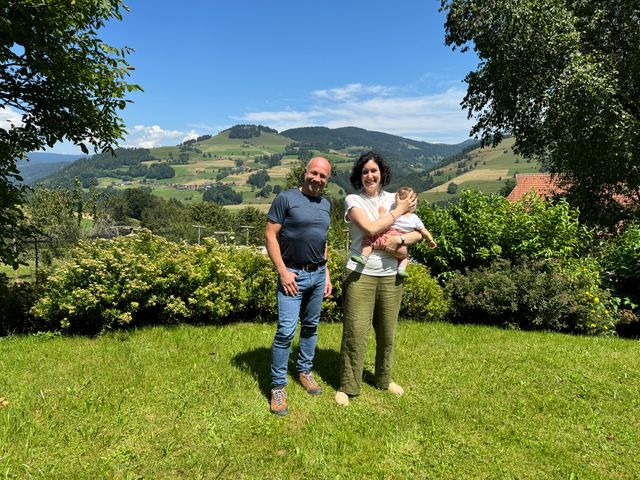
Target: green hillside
point(485, 169)
point(233, 159)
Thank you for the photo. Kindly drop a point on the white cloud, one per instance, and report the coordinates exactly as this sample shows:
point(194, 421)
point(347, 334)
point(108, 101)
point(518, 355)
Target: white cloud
point(144, 136)
point(140, 135)
point(350, 91)
point(9, 117)
point(192, 135)
point(433, 117)
point(282, 120)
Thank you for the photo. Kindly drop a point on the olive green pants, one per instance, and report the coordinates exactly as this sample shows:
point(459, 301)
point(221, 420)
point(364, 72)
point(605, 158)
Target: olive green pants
point(368, 301)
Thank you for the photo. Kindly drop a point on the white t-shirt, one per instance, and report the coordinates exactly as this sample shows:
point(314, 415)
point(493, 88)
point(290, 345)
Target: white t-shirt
point(380, 263)
point(408, 223)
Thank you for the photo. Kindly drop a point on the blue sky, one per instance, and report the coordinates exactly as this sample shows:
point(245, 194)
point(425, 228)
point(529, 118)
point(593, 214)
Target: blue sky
point(207, 65)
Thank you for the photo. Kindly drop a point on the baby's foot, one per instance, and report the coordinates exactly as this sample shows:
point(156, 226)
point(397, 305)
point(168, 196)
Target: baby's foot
point(396, 389)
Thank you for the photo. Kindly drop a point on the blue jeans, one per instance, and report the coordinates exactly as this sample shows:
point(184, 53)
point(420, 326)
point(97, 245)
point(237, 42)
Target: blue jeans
point(306, 305)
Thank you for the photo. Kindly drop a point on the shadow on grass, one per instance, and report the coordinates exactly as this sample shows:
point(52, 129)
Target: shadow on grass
point(257, 363)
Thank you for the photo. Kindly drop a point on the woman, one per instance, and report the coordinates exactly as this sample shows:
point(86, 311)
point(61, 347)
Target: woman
point(373, 292)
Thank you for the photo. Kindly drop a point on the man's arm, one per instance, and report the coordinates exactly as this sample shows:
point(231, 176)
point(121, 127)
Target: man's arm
point(287, 278)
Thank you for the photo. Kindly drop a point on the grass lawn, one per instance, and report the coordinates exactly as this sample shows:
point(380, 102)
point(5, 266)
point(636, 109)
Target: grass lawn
point(191, 402)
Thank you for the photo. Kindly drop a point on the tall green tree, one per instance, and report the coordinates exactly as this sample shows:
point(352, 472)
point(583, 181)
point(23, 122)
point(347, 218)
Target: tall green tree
point(564, 77)
point(211, 215)
point(249, 225)
point(61, 82)
point(52, 212)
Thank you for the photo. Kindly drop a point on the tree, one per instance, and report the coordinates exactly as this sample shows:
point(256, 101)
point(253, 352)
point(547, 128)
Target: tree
point(259, 179)
point(160, 171)
point(508, 187)
point(222, 195)
point(249, 225)
point(63, 82)
point(131, 202)
point(170, 219)
point(563, 76)
point(52, 214)
point(265, 191)
point(211, 215)
point(295, 176)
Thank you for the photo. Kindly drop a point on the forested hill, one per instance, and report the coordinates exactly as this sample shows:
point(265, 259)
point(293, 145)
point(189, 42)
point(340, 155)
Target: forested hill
point(89, 169)
point(41, 164)
point(398, 150)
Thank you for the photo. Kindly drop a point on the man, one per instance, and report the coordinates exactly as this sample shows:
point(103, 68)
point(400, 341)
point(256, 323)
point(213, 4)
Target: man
point(296, 241)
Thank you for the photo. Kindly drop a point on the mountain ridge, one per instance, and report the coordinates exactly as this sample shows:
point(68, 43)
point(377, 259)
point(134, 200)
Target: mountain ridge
point(402, 149)
point(254, 161)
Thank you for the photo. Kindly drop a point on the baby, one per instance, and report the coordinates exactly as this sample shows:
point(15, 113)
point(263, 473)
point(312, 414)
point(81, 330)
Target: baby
point(406, 223)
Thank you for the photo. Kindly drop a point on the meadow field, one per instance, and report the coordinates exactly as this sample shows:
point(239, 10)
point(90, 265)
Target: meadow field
point(192, 402)
point(492, 166)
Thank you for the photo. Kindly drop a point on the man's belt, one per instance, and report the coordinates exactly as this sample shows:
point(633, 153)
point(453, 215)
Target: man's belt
point(306, 267)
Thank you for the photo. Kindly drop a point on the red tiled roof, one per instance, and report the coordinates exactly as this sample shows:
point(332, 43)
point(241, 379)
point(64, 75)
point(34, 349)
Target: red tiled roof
point(545, 185)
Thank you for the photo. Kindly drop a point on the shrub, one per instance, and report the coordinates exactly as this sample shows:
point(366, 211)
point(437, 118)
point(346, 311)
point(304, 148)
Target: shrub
point(258, 282)
point(145, 279)
point(486, 295)
point(141, 279)
point(16, 300)
point(332, 306)
point(481, 229)
point(217, 287)
point(110, 283)
point(424, 298)
point(563, 296)
point(622, 260)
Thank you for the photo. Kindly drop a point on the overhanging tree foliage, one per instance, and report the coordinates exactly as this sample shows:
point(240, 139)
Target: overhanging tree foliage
point(62, 82)
point(564, 77)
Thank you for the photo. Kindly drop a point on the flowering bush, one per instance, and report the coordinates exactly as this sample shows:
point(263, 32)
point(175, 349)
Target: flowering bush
point(145, 279)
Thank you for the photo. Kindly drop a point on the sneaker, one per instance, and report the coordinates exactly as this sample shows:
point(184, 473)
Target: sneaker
point(403, 273)
point(361, 259)
point(279, 401)
point(309, 383)
point(395, 389)
point(342, 398)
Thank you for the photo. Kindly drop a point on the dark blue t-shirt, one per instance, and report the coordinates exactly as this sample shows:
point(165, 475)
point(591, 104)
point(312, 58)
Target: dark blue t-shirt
point(305, 222)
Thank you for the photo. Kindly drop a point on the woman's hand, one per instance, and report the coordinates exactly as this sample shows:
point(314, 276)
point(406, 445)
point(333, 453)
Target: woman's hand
point(392, 243)
point(406, 204)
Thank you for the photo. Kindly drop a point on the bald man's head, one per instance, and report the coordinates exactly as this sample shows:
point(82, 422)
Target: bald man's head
point(316, 176)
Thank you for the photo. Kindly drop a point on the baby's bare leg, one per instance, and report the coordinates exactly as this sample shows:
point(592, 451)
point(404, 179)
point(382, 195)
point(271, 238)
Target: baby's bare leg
point(401, 254)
